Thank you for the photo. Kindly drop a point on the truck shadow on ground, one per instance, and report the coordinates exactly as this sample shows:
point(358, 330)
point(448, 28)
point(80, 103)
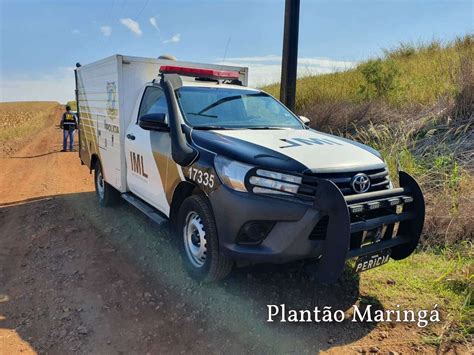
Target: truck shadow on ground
point(239, 304)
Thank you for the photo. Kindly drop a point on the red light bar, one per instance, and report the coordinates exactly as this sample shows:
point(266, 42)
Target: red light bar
point(199, 73)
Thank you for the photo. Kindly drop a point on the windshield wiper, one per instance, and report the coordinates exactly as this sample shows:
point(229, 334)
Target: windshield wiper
point(200, 114)
point(227, 99)
point(208, 128)
point(267, 127)
point(237, 128)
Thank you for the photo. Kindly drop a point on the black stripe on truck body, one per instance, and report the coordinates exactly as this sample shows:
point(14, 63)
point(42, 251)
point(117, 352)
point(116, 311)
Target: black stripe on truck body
point(202, 169)
point(244, 152)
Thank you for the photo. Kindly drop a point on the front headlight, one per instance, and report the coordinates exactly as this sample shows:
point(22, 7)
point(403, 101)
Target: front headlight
point(233, 174)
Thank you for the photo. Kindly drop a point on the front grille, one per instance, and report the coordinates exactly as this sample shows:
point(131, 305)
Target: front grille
point(379, 180)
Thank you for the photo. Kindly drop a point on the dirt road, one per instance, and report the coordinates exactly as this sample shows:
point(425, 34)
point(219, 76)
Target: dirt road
point(78, 278)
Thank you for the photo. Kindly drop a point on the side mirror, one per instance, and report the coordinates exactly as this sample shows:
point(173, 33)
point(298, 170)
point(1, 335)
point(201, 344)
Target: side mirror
point(154, 122)
point(305, 120)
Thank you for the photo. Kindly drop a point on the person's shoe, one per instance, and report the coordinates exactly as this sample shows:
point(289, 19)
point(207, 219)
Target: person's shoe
point(63, 150)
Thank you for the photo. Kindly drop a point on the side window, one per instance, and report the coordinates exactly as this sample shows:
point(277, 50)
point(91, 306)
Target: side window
point(154, 101)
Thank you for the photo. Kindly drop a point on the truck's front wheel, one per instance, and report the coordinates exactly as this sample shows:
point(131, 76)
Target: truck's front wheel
point(200, 243)
point(106, 194)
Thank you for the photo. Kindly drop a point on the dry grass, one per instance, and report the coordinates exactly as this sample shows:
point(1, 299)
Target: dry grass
point(438, 150)
point(435, 143)
point(441, 277)
point(19, 120)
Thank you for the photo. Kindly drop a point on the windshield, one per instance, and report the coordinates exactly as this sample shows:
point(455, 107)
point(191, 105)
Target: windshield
point(221, 108)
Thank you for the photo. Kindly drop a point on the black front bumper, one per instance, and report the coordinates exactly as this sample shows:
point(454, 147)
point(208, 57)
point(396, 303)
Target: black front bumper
point(399, 211)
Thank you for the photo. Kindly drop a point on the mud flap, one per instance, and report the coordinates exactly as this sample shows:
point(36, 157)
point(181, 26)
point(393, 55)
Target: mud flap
point(330, 201)
point(412, 227)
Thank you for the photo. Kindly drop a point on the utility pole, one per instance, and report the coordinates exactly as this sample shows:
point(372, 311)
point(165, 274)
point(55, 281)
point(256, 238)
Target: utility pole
point(290, 53)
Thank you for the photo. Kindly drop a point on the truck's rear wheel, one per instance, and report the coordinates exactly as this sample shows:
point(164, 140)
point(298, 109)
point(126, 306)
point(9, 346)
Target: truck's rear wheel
point(200, 244)
point(106, 194)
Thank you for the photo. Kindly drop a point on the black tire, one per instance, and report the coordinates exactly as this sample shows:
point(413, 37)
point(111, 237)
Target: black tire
point(215, 265)
point(106, 194)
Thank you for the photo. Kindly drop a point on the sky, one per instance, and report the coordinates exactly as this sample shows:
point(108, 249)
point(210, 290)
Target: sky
point(41, 40)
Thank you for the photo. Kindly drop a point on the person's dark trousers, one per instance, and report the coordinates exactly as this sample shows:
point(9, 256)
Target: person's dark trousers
point(68, 133)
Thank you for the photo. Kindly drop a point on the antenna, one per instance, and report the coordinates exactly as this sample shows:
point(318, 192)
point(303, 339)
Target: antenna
point(143, 8)
point(225, 53)
point(226, 48)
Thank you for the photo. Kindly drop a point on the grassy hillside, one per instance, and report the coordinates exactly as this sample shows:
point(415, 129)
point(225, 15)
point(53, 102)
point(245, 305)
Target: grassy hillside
point(416, 105)
point(422, 74)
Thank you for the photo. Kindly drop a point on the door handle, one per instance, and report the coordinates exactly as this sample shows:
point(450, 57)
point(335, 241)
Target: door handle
point(131, 137)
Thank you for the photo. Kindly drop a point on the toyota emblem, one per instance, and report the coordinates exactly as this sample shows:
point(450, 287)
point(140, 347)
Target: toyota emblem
point(360, 183)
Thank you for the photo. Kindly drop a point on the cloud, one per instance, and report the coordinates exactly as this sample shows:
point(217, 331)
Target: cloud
point(154, 23)
point(75, 32)
point(265, 70)
point(57, 85)
point(174, 39)
point(132, 25)
point(106, 30)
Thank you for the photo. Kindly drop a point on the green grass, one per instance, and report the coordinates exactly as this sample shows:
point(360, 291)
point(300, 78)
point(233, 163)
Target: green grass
point(437, 276)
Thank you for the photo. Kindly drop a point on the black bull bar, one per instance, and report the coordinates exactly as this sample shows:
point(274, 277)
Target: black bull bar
point(345, 223)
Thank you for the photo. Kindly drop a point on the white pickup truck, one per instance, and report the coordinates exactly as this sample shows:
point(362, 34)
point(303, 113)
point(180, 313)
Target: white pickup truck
point(240, 177)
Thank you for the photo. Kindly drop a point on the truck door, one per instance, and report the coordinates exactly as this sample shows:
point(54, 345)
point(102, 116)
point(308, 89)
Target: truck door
point(148, 153)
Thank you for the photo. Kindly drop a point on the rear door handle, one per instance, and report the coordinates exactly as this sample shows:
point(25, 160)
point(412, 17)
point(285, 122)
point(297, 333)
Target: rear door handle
point(131, 137)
